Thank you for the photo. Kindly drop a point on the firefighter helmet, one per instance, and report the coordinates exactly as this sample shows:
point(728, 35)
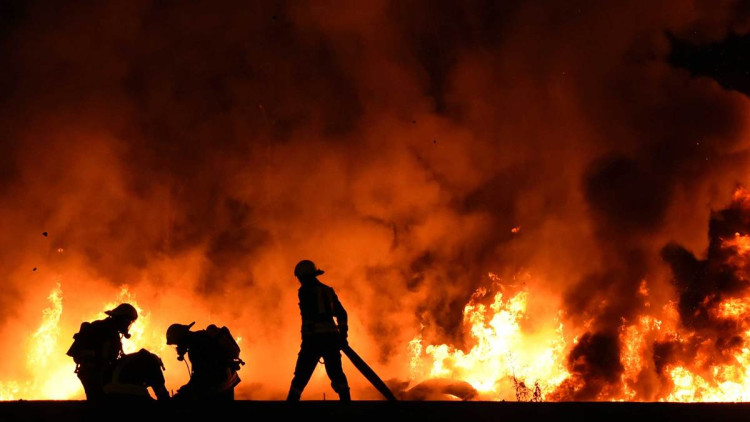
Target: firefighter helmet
point(176, 332)
point(307, 268)
point(124, 310)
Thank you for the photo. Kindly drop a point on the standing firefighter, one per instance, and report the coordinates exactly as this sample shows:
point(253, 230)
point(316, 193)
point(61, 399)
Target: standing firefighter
point(321, 337)
point(215, 359)
point(97, 348)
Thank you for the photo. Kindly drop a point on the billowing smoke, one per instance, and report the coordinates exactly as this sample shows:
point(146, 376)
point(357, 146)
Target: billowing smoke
point(196, 151)
point(704, 286)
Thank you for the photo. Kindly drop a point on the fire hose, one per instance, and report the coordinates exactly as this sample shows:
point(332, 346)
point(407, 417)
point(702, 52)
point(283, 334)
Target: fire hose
point(365, 369)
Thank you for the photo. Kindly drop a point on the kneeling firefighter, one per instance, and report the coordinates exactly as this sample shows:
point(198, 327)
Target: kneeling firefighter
point(108, 373)
point(132, 376)
point(97, 348)
point(215, 359)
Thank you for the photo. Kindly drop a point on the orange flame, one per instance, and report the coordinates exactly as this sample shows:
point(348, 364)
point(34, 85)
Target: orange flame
point(51, 371)
point(504, 355)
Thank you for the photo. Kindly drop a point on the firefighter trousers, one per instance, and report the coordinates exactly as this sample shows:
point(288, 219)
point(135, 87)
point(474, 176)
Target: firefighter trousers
point(328, 347)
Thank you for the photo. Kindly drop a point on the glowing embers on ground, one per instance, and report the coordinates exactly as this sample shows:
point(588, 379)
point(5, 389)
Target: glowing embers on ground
point(504, 360)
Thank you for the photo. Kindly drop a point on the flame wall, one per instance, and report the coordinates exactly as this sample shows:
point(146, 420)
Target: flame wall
point(194, 152)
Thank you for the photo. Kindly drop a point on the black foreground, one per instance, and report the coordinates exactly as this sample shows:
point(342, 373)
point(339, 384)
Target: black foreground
point(379, 411)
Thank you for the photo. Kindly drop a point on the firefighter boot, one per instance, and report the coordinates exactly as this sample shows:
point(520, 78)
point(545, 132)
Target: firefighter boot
point(344, 394)
point(294, 394)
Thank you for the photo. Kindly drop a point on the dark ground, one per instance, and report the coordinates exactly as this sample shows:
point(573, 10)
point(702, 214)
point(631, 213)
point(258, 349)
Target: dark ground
point(374, 411)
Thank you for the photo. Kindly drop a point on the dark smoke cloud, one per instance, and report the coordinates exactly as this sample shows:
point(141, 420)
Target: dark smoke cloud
point(594, 365)
point(665, 140)
point(395, 143)
point(702, 284)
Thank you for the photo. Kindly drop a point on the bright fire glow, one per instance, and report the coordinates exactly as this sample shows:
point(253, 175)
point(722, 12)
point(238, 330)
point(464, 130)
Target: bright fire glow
point(510, 352)
point(51, 370)
point(505, 361)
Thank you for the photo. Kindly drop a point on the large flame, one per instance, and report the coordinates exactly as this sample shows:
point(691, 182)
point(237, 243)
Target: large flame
point(408, 148)
point(505, 361)
point(509, 353)
point(51, 371)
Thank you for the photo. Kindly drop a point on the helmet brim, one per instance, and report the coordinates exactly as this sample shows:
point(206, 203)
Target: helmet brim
point(182, 330)
point(124, 310)
point(115, 315)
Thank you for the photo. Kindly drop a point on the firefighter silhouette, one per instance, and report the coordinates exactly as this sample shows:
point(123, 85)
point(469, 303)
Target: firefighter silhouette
point(97, 352)
point(321, 337)
point(133, 374)
point(214, 358)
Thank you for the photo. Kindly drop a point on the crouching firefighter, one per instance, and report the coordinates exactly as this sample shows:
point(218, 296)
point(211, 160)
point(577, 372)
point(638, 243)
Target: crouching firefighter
point(214, 357)
point(132, 376)
point(97, 352)
point(321, 337)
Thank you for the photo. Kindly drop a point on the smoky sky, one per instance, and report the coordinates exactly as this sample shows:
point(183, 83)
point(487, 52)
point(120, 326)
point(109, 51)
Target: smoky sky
point(394, 143)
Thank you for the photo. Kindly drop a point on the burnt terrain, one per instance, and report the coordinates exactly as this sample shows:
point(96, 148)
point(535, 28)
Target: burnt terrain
point(63, 411)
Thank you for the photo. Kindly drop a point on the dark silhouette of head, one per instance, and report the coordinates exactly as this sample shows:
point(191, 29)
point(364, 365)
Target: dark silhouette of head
point(123, 315)
point(306, 270)
point(177, 334)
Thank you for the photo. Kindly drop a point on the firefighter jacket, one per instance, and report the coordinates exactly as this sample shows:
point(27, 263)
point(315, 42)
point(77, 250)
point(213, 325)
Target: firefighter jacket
point(318, 305)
